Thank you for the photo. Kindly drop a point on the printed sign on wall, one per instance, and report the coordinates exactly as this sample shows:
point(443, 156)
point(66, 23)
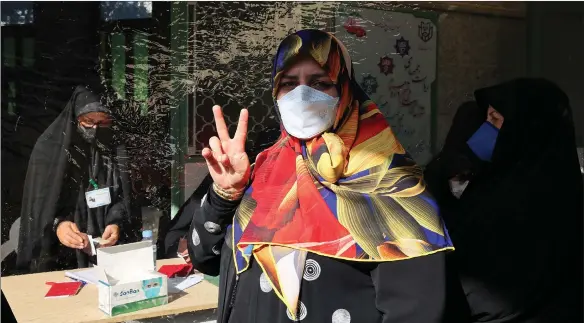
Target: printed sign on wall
point(394, 55)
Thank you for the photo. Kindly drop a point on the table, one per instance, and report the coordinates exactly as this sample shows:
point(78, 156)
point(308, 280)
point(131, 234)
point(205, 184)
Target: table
point(26, 296)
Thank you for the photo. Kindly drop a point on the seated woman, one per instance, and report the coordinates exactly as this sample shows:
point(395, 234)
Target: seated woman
point(77, 184)
point(508, 185)
point(333, 221)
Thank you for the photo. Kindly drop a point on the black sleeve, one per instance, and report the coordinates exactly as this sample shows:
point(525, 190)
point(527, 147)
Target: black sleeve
point(121, 211)
point(66, 205)
point(67, 200)
point(118, 212)
point(177, 230)
point(436, 179)
point(207, 232)
point(171, 232)
point(117, 215)
point(169, 235)
point(411, 291)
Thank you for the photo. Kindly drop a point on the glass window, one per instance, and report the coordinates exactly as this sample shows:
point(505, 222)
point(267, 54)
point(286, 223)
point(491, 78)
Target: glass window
point(16, 12)
point(121, 10)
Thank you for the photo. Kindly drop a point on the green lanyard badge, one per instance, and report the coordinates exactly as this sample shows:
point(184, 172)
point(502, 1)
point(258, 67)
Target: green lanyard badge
point(93, 183)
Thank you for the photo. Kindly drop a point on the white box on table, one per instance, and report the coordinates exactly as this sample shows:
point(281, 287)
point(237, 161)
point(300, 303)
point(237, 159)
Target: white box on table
point(128, 281)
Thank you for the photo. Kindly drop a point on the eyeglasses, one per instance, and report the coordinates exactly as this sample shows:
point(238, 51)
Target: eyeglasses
point(88, 123)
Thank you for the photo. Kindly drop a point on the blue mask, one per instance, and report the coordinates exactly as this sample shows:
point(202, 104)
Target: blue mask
point(483, 141)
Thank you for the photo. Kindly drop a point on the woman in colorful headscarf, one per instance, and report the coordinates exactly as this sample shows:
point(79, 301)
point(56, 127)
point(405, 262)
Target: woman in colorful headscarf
point(332, 223)
point(514, 206)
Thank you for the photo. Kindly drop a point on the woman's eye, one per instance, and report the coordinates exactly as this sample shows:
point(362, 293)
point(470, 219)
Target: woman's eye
point(287, 84)
point(322, 85)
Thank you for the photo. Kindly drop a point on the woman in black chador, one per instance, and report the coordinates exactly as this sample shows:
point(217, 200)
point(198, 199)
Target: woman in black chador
point(77, 184)
point(509, 187)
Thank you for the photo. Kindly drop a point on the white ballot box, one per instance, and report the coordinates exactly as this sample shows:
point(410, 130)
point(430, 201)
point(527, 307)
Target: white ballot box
point(127, 281)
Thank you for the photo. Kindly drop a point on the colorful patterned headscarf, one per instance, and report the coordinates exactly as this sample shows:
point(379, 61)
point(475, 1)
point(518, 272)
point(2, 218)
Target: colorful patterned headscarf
point(351, 193)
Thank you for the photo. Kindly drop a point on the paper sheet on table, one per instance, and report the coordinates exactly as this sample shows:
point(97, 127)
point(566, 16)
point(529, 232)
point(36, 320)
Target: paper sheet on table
point(178, 284)
point(89, 276)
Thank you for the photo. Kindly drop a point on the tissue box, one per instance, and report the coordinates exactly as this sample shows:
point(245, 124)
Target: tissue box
point(128, 281)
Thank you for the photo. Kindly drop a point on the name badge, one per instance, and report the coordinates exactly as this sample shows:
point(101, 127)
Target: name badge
point(98, 198)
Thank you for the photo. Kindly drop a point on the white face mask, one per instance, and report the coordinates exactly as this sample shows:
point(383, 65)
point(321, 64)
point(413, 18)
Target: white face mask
point(457, 187)
point(307, 112)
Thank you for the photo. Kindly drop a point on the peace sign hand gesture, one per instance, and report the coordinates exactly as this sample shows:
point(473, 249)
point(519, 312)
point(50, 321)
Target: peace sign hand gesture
point(226, 158)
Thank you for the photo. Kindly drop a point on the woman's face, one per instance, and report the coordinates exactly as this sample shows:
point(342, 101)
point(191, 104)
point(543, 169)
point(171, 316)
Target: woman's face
point(495, 118)
point(94, 120)
point(306, 72)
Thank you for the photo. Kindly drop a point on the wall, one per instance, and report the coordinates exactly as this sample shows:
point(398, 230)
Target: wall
point(490, 42)
point(475, 51)
point(479, 45)
point(557, 50)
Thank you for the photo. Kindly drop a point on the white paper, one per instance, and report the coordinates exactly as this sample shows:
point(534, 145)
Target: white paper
point(90, 276)
point(178, 284)
point(94, 244)
point(98, 198)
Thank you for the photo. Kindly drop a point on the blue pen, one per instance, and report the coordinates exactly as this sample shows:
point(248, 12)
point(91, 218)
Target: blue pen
point(80, 281)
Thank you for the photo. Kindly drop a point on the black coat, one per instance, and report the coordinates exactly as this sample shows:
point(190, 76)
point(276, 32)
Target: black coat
point(417, 294)
point(407, 291)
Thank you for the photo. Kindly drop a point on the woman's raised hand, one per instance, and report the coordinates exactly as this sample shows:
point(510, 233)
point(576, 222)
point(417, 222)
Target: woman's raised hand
point(226, 158)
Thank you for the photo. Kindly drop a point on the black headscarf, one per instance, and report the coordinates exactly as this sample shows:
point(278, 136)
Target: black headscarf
point(518, 226)
point(63, 160)
point(456, 159)
point(466, 121)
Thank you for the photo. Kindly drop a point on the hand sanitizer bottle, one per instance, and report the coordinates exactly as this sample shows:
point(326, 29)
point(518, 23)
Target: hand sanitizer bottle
point(147, 236)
